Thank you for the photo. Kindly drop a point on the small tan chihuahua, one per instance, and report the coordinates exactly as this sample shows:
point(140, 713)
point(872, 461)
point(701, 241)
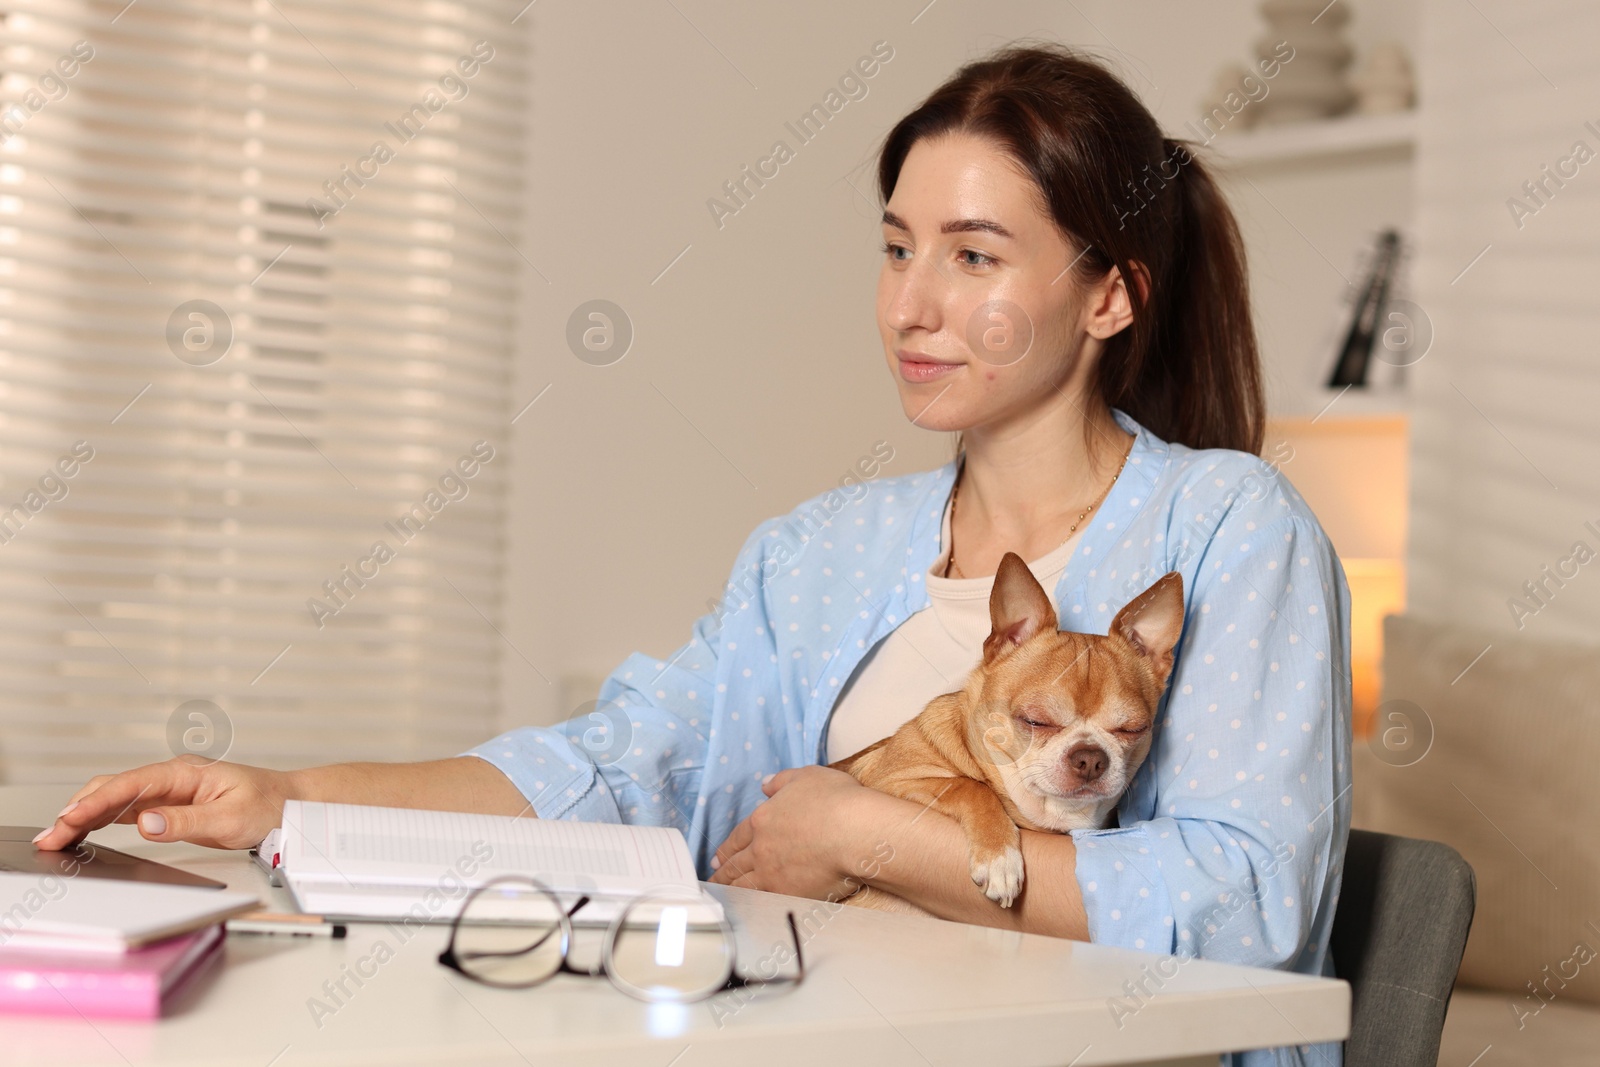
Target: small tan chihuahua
point(1046, 734)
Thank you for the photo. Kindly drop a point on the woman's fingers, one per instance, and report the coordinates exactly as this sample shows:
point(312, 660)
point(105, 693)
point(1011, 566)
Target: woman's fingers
point(736, 863)
point(749, 880)
point(215, 824)
point(89, 787)
point(119, 798)
point(774, 782)
point(739, 865)
point(94, 783)
point(737, 841)
point(222, 805)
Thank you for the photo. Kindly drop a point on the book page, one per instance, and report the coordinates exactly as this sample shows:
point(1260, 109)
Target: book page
point(360, 845)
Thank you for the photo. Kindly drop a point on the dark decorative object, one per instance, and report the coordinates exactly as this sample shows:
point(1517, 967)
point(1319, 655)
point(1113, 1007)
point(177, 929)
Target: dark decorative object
point(1356, 355)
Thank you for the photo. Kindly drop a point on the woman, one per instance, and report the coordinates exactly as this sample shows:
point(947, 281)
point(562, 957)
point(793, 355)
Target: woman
point(1066, 289)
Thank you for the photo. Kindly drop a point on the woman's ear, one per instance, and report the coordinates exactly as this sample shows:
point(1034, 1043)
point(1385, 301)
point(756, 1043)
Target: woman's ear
point(1110, 308)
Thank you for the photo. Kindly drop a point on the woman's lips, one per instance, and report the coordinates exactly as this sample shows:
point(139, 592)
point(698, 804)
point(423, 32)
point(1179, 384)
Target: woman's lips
point(915, 368)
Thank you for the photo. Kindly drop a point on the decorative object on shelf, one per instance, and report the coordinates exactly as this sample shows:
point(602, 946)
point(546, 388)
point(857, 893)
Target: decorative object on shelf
point(1356, 356)
point(1384, 84)
point(1311, 84)
point(1230, 102)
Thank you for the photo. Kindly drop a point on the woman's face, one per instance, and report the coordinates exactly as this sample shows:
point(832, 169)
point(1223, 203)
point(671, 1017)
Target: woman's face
point(979, 315)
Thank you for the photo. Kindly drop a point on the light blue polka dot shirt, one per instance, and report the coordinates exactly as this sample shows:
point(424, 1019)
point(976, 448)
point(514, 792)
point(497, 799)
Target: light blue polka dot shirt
point(1230, 840)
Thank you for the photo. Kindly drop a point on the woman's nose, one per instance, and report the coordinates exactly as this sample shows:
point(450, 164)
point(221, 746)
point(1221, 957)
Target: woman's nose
point(916, 300)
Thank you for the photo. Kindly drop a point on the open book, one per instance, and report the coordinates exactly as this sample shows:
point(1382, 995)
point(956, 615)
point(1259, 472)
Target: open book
point(348, 861)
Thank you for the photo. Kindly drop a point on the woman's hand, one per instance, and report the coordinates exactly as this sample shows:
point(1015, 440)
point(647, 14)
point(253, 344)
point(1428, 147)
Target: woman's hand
point(223, 805)
point(804, 839)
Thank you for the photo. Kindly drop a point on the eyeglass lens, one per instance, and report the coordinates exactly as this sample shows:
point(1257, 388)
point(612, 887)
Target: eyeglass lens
point(665, 949)
point(511, 934)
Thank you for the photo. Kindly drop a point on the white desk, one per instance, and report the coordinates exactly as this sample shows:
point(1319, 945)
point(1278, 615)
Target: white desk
point(881, 989)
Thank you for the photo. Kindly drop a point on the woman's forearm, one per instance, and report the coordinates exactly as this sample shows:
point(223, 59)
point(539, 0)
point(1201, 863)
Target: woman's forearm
point(462, 783)
point(930, 868)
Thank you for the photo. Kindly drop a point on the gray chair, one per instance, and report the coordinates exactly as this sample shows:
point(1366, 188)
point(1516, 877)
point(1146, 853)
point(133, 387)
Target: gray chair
point(1399, 931)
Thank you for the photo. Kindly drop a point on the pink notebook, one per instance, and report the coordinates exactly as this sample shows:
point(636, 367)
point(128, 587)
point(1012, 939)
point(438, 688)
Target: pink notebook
point(128, 986)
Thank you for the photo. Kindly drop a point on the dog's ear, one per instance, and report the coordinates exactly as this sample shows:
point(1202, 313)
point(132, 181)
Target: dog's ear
point(1152, 621)
point(1018, 608)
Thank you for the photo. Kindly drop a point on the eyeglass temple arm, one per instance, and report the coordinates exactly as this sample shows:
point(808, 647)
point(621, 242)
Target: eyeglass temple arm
point(799, 957)
point(735, 981)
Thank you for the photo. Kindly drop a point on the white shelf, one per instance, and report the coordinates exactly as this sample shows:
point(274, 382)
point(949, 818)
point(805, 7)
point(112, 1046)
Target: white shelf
point(1318, 139)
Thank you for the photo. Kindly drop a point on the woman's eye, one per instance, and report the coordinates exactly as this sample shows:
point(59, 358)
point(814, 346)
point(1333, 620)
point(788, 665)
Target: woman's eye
point(890, 250)
point(983, 260)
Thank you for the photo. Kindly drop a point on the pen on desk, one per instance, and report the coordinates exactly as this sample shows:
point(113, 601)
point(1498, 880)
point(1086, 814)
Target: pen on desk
point(285, 925)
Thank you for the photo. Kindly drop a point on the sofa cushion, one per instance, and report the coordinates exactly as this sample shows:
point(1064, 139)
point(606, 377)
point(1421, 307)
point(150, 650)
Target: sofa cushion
point(1562, 1034)
point(1511, 778)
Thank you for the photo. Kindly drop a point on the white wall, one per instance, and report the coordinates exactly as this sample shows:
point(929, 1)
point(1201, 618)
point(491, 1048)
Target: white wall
point(1504, 473)
point(756, 377)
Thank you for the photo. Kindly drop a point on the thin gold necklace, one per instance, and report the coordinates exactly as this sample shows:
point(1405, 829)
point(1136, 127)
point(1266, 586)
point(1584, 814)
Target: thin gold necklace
point(956, 491)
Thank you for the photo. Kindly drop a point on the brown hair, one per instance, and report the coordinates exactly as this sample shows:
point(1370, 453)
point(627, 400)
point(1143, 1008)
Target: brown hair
point(1187, 366)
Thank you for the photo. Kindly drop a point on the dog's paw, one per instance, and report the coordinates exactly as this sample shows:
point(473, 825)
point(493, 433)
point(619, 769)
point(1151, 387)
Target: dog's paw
point(999, 876)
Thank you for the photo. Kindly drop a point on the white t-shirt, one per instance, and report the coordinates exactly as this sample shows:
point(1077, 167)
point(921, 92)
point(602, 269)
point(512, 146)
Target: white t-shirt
point(932, 652)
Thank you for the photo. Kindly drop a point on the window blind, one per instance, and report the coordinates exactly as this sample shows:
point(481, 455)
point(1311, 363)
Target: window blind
point(256, 305)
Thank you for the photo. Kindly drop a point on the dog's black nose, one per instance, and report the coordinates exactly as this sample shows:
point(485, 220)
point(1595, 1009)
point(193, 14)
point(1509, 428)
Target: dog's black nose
point(1087, 761)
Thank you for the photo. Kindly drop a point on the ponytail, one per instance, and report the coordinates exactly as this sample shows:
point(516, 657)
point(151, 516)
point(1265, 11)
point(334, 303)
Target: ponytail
point(1187, 368)
point(1198, 374)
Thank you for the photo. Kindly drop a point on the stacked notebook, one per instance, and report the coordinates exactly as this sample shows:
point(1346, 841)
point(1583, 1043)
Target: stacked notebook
point(101, 947)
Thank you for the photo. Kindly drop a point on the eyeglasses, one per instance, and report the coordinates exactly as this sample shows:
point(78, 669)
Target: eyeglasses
point(513, 933)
